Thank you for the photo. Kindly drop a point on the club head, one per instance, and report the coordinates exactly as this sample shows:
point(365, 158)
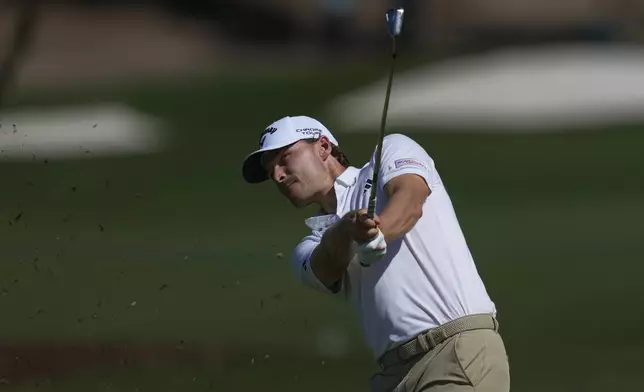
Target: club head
point(394, 19)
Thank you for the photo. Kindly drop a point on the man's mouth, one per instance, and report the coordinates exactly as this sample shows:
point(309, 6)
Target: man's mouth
point(286, 187)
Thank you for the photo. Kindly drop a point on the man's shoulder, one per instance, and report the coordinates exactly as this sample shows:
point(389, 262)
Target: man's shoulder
point(394, 139)
point(398, 145)
point(393, 145)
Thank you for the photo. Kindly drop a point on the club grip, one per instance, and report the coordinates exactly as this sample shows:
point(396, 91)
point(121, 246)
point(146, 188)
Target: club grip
point(371, 209)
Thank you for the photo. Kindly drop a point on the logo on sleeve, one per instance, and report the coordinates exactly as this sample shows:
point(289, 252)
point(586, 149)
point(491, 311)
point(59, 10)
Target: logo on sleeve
point(409, 162)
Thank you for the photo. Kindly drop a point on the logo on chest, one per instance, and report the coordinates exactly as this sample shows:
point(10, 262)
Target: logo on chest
point(367, 186)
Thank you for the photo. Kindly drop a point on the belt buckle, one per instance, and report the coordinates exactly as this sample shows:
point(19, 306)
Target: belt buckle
point(381, 361)
point(396, 350)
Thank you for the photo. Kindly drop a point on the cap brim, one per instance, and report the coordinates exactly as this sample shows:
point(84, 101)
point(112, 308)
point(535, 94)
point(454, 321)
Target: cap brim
point(252, 169)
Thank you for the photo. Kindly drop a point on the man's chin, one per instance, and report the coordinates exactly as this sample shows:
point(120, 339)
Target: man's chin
point(299, 203)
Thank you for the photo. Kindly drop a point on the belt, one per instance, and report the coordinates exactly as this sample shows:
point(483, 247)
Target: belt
point(426, 341)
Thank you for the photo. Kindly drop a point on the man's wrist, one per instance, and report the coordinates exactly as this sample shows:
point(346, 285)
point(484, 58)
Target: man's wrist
point(336, 234)
point(337, 240)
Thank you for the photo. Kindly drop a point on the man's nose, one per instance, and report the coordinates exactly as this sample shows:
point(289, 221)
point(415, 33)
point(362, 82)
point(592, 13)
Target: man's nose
point(278, 174)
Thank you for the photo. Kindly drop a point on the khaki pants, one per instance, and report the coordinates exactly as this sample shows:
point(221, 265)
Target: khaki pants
point(469, 361)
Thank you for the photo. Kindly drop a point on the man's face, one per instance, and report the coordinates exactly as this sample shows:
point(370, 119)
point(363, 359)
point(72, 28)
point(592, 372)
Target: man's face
point(299, 170)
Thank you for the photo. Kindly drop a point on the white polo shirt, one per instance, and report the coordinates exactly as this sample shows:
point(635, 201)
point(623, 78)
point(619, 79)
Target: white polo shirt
point(428, 276)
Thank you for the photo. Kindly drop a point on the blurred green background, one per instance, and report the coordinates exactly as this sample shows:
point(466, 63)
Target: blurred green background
point(188, 257)
point(166, 272)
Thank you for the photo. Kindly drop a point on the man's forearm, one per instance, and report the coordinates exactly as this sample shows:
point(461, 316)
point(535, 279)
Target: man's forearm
point(332, 256)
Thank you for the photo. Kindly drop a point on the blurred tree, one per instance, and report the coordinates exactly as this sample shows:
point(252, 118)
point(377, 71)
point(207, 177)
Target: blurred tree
point(25, 26)
point(257, 20)
point(248, 20)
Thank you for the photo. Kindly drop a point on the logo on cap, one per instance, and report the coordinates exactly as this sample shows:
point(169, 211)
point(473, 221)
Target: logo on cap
point(267, 131)
point(314, 132)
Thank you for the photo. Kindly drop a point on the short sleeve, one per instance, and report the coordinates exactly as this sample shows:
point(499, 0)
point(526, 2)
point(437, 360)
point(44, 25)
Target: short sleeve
point(301, 263)
point(403, 155)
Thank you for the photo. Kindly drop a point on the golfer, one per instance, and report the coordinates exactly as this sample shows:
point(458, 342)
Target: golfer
point(407, 271)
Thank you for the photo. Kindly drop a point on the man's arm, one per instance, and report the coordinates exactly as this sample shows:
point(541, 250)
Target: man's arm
point(332, 256)
point(406, 194)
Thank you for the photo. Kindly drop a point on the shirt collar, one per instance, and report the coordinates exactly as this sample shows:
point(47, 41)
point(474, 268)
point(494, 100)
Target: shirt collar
point(342, 183)
point(348, 177)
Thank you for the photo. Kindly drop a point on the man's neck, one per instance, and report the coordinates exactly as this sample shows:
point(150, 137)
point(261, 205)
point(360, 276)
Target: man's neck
point(329, 201)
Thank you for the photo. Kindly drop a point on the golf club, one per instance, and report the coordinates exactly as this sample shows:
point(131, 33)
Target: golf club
point(394, 18)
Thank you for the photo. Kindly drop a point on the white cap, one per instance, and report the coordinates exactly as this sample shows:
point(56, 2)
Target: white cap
point(282, 133)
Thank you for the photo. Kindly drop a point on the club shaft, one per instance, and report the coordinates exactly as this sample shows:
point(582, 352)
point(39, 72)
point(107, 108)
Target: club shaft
point(376, 167)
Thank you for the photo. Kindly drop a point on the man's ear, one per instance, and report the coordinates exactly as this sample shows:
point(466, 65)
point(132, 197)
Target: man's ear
point(325, 147)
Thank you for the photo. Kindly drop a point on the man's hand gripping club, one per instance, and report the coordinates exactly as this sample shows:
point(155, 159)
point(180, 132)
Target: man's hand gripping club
point(365, 231)
point(355, 234)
